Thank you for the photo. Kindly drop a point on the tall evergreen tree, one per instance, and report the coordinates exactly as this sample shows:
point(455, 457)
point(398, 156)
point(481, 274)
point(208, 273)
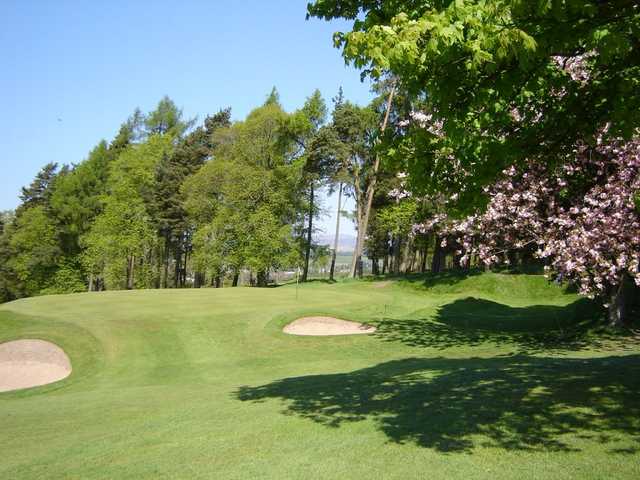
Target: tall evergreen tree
point(9, 282)
point(173, 226)
point(168, 119)
point(303, 127)
point(40, 189)
point(76, 198)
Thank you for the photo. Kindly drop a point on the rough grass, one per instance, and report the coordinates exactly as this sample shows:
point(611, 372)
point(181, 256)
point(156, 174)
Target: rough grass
point(485, 376)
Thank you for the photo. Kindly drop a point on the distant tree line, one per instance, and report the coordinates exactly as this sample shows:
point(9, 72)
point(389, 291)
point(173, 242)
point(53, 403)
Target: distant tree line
point(502, 134)
point(169, 203)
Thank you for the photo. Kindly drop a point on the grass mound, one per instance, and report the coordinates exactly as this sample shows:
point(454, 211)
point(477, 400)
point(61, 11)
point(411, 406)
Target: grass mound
point(495, 285)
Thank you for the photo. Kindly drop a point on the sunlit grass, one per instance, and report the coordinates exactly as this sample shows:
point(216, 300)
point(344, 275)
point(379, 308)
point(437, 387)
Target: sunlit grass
point(486, 376)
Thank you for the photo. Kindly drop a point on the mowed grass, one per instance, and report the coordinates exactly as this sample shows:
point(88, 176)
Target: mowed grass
point(490, 376)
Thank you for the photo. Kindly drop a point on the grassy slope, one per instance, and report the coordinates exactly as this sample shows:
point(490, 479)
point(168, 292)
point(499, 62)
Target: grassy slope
point(462, 380)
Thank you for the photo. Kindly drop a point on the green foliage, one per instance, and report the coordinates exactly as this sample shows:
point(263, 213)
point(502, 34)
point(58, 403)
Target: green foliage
point(201, 193)
point(320, 256)
point(303, 127)
point(171, 173)
point(75, 201)
point(163, 200)
point(9, 283)
point(245, 201)
point(167, 119)
point(259, 140)
point(398, 218)
point(124, 230)
point(269, 243)
point(68, 278)
point(344, 147)
point(38, 193)
point(472, 64)
point(131, 131)
point(35, 250)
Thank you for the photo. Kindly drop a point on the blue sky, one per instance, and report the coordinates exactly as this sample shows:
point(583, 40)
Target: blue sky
point(73, 71)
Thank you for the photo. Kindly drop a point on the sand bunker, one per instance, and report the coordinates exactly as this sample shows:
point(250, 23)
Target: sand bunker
point(29, 363)
point(322, 326)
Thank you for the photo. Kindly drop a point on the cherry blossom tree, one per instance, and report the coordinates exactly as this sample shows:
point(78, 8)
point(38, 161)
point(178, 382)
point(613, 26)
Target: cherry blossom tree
point(582, 218)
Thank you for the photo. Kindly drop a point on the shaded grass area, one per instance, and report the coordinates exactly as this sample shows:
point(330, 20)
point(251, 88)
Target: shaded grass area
point(481, 376)
point(472, 322)
point(452, 405)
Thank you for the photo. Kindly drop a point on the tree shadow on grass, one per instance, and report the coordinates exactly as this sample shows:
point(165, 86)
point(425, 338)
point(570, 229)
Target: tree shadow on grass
point(471, 322)
point(455, 405)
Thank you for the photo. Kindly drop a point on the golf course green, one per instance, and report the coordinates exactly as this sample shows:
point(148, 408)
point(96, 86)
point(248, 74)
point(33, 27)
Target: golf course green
point(486, 376)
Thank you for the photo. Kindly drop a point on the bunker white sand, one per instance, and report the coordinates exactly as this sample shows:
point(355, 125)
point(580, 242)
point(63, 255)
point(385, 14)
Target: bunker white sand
point(324, 326)
point(29, 363)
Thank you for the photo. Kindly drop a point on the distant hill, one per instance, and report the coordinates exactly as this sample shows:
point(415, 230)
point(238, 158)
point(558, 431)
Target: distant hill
point(345, 244)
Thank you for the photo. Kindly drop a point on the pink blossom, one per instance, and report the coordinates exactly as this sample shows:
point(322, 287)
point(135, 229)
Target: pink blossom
point(593, 239)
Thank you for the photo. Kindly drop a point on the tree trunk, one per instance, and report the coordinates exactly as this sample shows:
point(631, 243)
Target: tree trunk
point(261, 280)
point(130, 267)
point(396, 255)
point(416, 261)
point(165, 280)
point(197, 279)
point(357, 253)
point(385, 264)
point(183, 279)
point(618, 311)
point(412, 262)
point(337, 236)
point(178, 260)
point(358, 248)
point(362, 230)
point(528, 256)
point(217, 281)
point(406, 256)
point(423, 264)
point(375, 266)
point(467, 263)
point(457, 261)
point(236, 277)
point(437, 263)
point(307, 253)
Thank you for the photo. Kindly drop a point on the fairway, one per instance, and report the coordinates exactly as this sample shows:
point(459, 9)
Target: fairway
point(488, 376)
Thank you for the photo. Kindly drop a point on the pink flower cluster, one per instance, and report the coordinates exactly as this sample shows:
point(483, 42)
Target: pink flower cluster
point(437, 221)
point(426, 121)
point(401, 192)
point(582, 219)
point(575, 66)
